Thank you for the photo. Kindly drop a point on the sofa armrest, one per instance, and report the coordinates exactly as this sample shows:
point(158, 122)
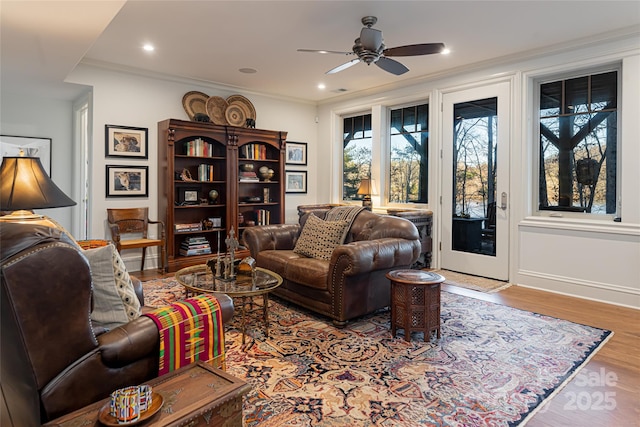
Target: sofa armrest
point(370, 255)
point(269, 237)
point(137, 287)
point(139, 338)
point(129, 342)
point(226, 306)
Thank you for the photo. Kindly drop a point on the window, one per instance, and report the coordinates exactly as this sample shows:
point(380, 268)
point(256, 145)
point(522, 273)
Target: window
point(578, 144)
point(409, 136)
point(356, 164)
point(475, 157)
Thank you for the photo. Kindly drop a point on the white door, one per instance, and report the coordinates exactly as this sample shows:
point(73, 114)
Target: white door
point(475, 180)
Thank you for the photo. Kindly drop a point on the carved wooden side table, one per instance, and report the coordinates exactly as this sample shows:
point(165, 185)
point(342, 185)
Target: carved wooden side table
point(415, 302)
point(195, 395)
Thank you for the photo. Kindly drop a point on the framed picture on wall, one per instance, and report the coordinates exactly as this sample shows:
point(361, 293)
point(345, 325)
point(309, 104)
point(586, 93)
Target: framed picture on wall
point(295, 181)
point(13, 146)
point(296, 153)
point(127, 181)
point(124, 141)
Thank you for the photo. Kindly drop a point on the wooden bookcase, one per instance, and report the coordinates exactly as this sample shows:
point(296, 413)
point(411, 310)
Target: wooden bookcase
point(209, 157)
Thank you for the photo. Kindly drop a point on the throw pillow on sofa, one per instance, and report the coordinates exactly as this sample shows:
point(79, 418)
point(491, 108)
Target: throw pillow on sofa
point(319, 238)
point(114, 298)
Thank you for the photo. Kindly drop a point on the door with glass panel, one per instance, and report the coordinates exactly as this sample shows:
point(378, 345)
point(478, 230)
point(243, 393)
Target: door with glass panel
point(475, 192)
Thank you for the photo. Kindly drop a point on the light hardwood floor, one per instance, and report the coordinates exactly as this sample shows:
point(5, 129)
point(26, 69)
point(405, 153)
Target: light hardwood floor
point(606, 392)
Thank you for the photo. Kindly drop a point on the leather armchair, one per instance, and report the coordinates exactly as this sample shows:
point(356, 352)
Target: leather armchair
point(53, 361)
point(352, 283)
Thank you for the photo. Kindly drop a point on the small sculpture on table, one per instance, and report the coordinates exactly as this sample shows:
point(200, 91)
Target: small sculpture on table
point(232, 244)
point(224, 267)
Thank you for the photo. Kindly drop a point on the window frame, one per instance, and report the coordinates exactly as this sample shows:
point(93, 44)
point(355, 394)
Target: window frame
point(387, 150)
point(567, 74)
point(381, 115)
point(344, 117)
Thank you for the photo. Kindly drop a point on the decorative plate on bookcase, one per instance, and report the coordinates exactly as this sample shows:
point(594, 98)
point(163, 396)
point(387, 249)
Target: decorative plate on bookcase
point(235, 115)
point(216, 107)
point(195, 102)
point(247, 106)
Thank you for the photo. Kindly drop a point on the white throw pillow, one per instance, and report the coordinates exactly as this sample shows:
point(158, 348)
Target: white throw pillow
point(319, 238)
point(114, 298)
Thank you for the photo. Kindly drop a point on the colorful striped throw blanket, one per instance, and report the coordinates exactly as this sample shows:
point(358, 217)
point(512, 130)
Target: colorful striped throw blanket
point(190, 330)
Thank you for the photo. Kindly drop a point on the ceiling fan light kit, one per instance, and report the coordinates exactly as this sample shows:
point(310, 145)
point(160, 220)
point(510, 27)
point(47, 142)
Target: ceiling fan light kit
point(370, 49)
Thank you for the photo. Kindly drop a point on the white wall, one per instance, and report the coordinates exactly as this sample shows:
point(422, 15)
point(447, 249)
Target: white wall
point(587, 258)
point(121, 98)
point(22, 115)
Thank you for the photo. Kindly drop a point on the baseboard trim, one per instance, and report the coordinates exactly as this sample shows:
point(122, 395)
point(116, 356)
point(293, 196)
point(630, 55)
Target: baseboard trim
point(590, 290)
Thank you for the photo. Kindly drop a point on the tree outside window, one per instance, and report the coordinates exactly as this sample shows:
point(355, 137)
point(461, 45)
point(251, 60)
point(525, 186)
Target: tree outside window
point(357, 145)
point(578, 144)
point(475, 157)
point(409, 136)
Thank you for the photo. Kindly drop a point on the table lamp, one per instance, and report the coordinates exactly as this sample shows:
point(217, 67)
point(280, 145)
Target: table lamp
point(366, 189)
point(24, 186)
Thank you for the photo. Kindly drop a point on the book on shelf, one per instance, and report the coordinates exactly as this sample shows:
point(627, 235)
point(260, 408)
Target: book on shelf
point(191, 252)
point(263, 217)
point(248, 175)
point(196, 240)
point(254, 151)
point(205, 172)
point(183, 228)
point(196, 245)
point(199, 148)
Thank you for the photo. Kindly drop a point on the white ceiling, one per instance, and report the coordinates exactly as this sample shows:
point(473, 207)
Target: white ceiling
point(209, 41)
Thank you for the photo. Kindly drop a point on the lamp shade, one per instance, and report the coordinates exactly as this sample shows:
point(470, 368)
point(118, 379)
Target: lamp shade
point(367, 187)
point(24, 185)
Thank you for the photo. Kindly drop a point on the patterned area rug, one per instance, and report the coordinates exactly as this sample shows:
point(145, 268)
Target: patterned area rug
point(475, 283)
point(493, 366)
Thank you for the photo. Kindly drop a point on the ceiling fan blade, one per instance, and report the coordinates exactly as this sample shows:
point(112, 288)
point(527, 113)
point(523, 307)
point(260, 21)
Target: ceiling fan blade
point(371, 39)
point(392, 66)
point(414, 49)
point(324, 51)
point(343, 66)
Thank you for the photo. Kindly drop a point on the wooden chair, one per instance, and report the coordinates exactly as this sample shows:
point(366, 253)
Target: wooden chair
point(136, 221)
point(489, 229)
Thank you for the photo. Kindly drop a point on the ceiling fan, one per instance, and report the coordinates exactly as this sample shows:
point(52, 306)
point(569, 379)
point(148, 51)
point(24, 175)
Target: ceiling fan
point(370, 49)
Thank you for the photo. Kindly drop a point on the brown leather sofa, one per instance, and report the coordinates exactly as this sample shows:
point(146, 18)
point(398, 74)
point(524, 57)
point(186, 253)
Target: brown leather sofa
point(52, 360)
point(352, 283)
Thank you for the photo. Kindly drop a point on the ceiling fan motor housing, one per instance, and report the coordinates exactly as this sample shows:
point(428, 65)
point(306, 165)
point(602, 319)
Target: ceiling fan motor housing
point(365, 55)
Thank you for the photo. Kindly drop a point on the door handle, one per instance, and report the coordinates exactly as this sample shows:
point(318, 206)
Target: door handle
point(503, 201)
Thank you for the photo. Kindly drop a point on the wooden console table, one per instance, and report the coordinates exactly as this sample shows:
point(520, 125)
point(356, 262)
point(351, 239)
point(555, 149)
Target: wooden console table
point(423, 220)
point(195, 395)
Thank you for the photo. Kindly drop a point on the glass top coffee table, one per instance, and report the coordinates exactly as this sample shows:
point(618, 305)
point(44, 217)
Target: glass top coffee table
point(198, 279)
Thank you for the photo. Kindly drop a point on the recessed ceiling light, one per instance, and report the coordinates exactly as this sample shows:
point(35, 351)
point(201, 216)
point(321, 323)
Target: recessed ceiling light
point(148, 47)
point(248, 70)
point(446, 51)
point(321, 86)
